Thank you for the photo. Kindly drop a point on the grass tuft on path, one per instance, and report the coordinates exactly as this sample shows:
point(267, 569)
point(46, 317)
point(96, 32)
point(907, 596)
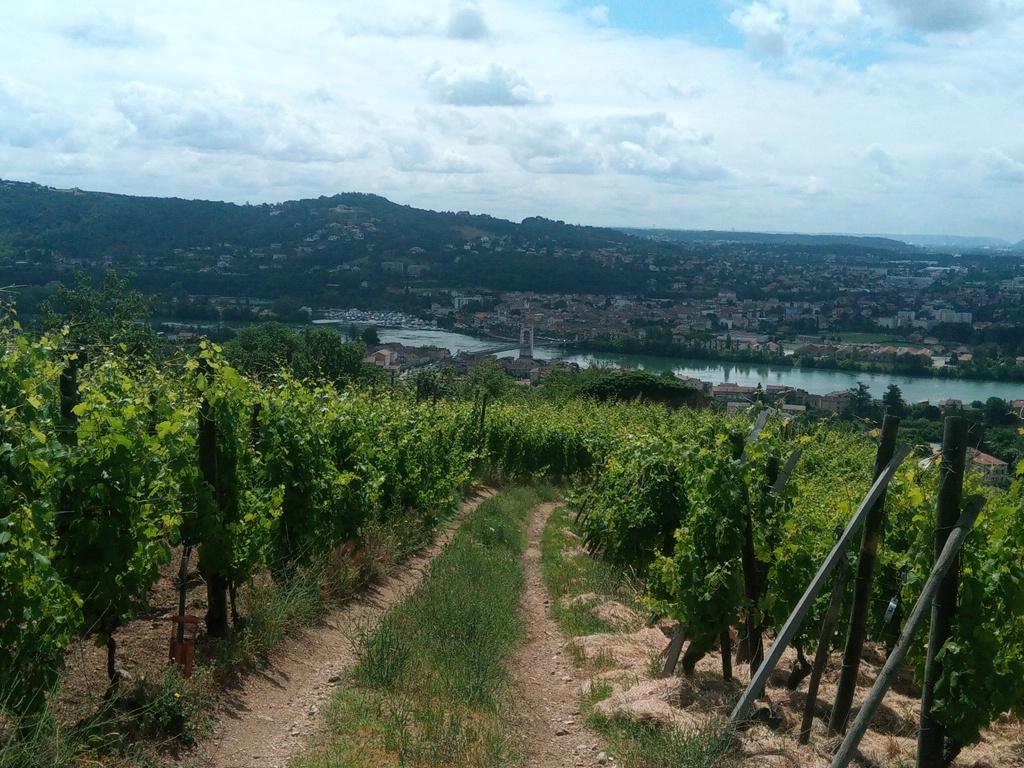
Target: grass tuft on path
point(570, 572)
point(431, 687)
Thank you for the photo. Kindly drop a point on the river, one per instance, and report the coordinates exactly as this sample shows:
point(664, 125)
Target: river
point(914, 388)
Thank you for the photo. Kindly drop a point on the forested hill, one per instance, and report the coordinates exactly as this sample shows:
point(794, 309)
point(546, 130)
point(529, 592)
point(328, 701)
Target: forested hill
point(359, 249)
point(298, 247)
point(93, 225)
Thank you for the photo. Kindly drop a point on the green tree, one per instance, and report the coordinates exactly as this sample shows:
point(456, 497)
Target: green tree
point(894, 402)
point(262, 349)
point(488, 376)
point(288, 308)
point(110, 314)
point(996, 410)
point(860, 399)
point(322, 354)
point(370, 337)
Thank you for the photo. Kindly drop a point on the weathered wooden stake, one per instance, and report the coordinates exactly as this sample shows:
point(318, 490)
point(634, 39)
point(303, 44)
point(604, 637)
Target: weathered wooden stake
point(787, 470)
point(186, 553)
point(674, 649)
point(828, 631)
point(216, 583)
point(950, 553)
point(750, 643)
point(483, 417)
point(725, 640)
point(111, 664)
point(742, 709)
point(861, 606)
point(931, 738)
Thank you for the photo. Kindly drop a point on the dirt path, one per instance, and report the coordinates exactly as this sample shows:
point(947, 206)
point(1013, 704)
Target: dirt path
point(545, 674)
point(271, 717)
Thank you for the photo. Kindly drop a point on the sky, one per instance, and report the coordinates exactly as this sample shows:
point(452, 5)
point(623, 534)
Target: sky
point(860, 116)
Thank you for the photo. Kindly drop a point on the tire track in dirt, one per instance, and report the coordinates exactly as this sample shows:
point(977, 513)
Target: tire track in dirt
point(554, 730)
point(275, 712)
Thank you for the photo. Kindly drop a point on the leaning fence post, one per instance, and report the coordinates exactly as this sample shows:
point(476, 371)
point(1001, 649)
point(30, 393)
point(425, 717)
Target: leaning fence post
point(932, 736)
point(742, 709)
point(678, 638)
point(787, 471)
point(861, 605)
point(828, 631)
point(483, 418)
point(750, 642)
point(216, 582)
point(950, 553)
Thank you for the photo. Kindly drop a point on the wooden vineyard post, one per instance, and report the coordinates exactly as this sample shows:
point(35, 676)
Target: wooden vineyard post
point(950, 553)
point(742, 709)
point(750, 642)
point(186, 553)
point(216, 583)
point(828, 631)
point(862, 586)
point(931, 738)
point(787, 471)
point(678, 638)
point(483, 419)
point(725, 640)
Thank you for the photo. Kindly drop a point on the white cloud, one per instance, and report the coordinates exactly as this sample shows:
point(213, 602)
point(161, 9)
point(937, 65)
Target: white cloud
point(464, 21)
point(598, 14)
point(552, 147)
point(653, 145)
point(776, 28)
point(27, 120)
point(493, 86)
point(101, 30)
point(813, 186)
point(952, 15)
point(388, 22)
point(416, 154)
point(883, 161)
point(1002, 167)
point(646, 145)
point(763, 28)
point(685, 90)
point(467, 23)
point(226, 121)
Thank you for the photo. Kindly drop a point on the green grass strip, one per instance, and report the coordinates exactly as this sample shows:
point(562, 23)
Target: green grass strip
point(431, 687)
point(569, 572)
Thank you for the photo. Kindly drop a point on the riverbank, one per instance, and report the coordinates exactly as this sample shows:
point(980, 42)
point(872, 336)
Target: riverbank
point(816, 380)
point(1012, 375)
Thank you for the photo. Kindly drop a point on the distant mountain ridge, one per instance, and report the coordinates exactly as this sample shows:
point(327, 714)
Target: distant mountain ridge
point(953, 241)
point(766, 238)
